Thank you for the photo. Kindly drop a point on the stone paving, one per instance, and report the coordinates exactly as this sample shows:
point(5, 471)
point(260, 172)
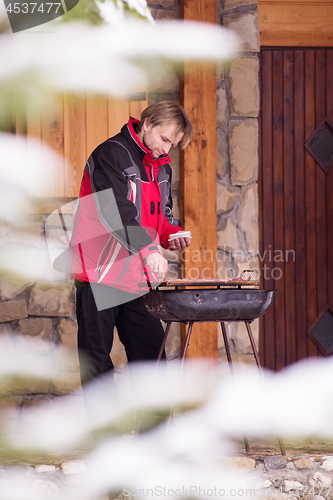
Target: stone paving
point(306, 471)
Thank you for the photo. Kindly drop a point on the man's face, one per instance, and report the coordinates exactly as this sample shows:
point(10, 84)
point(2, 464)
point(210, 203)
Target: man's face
point(160, 139)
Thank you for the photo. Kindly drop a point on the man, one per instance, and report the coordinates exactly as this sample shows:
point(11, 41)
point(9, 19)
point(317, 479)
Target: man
point(124, 211)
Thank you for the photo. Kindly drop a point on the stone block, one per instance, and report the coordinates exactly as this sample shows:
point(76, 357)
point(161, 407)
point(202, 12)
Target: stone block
point(237, 332)
point(173, 343)
point(327, 464)
point(12, 284)
point(243, 149)
point(320, 480)
point(174, 157)
point(231, 4)
point(225, 198)
point(30, 262)
point(246, 26)
point(164, 15)
point(36, 327)
point(248, 217)
point(51, 300)
point(162, 78)
point(68, 333)
point(222, 109)
point(244, 87)
point(293, 485)
point(175, 204)
point(66, 382)
point(67, 329)
point(24, 385)
point(243, 463)
point(304, 463)
point(225, 268)
point(228, 238)
point(9, 412)
point(12, 309)
point(24, 230)
point(222, 153)
point(274, 462)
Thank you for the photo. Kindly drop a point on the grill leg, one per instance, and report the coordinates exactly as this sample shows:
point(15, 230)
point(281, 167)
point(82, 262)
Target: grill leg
point(166, 333)
point(256, 355)
point(227, 349)
point(226, 345)
point(254, 348)
point(187, 341)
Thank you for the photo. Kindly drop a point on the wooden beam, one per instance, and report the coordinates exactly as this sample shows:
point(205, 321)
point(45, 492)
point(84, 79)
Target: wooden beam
point(296, 23)
point(198, 174)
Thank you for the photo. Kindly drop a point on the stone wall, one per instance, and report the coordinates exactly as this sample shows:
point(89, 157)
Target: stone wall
point(42, 306)
point(237, 159)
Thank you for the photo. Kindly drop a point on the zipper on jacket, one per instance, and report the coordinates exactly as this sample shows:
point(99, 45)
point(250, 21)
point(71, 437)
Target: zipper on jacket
point(152, 173)
point(101, 260)
point(158, 208)
point(152, 208)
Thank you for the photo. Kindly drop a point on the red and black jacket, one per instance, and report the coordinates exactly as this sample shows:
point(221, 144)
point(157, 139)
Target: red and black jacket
point(124, 211)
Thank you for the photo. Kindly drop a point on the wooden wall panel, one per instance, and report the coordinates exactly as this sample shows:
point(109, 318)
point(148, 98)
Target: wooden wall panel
point(300, 223)
point(72, 127)
point(53, 174)
point(96, 122)
point(34, 137)
point(310, 196)
point(198, 172)
point(118, 114)
point(295, 206)
point(278, 268)
point(296, 23)
point(289, 210)
point(74, 142)
point(267, 208)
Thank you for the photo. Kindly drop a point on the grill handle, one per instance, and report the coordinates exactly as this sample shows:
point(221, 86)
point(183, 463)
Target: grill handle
point(251, 271)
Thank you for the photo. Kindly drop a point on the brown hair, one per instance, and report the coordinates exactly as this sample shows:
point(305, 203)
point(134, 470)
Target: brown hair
point(168, 111)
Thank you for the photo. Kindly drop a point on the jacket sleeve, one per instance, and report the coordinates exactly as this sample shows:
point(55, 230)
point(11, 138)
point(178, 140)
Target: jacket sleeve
point(116, 212)
point(170, 224)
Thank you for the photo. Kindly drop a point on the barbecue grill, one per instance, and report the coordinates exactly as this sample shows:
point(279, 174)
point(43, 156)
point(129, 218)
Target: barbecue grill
point(210, 300)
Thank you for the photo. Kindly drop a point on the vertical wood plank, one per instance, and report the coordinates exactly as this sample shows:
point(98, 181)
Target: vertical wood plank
point(277, 266)
point(329, 113)
point(96, 122)
point(74, 142)
point(289, 209)
point(300, 262)
point(310, 198)
point(34, 138)
point(260, 203)
point(136, 107)
point(118, 115)
point(267, 204)
point(321, 195)
point(198, 171)
point(53, 174)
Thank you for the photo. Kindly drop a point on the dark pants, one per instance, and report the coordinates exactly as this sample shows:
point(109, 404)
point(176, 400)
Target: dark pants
point(140, 333)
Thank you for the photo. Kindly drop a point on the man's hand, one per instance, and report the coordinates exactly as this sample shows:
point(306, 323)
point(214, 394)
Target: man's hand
point(179, 243)
point(158, 265)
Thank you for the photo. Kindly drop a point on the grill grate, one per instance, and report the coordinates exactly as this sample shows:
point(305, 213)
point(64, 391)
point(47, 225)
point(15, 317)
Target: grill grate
point(322, 333)
point(320, 145)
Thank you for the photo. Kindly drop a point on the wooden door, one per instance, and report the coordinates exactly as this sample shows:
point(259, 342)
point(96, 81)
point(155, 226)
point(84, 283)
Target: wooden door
point(296, 203)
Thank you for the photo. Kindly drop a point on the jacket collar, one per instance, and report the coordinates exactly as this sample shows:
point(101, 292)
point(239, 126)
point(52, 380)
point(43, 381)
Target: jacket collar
point(148, 159)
